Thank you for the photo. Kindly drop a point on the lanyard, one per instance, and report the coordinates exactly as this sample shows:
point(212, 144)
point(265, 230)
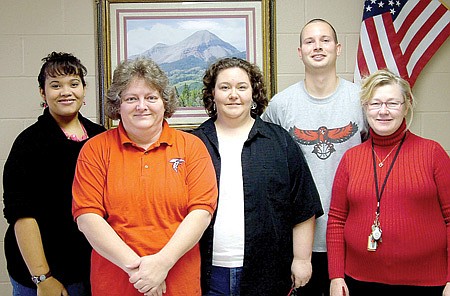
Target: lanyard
point(377, 190)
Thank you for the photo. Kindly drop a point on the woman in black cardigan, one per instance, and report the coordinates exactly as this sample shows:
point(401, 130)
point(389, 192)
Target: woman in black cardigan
point(45, 252)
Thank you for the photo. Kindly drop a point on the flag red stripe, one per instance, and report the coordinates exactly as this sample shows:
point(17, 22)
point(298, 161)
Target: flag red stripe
point(412, 17)
point(394, 43)
point(375, 43)
point(362, 64)
point(438, 41)
point(417, 47)
point(424, 30)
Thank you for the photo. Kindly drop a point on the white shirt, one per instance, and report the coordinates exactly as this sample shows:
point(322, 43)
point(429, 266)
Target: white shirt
point(229, 236)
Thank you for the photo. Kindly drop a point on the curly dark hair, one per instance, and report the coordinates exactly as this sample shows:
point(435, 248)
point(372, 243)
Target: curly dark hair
point(60, 64)
point(256, 78)
point(146, 69)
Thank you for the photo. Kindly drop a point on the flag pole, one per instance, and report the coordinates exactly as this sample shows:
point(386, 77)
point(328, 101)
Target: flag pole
point(445, 4)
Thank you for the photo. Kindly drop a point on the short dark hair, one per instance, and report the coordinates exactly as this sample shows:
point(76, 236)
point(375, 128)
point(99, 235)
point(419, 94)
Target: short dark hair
point(254, 74)
point(58, 64)
point(319, 20)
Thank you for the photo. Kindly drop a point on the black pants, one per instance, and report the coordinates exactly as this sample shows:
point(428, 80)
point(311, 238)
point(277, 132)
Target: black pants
point(359, 288)
point(319, 284)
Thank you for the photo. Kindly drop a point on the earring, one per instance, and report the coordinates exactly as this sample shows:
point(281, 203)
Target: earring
point(84, 103)
point(44, 104)
point(254, 105)
point(214, 106)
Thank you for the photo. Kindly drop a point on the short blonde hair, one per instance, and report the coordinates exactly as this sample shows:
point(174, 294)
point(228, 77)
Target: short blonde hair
point(385, 77)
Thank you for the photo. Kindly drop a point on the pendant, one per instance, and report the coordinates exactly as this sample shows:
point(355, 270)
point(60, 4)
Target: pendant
point(376, 233)
point(380, 164)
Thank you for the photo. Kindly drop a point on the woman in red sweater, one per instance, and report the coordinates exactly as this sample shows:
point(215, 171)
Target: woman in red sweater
point(389, 220)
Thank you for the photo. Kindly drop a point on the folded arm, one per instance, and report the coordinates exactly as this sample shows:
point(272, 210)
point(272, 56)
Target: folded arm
point(153, 269)
point(106, 241)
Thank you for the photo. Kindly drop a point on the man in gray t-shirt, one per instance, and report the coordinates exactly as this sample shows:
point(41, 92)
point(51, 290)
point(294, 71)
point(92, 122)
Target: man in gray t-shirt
point(324, 116)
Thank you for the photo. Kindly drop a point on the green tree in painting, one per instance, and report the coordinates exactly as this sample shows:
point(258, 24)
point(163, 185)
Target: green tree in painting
point(190, 97)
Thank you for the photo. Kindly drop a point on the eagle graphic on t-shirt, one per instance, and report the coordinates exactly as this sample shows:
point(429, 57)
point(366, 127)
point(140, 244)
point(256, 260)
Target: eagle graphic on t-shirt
point(323, 138)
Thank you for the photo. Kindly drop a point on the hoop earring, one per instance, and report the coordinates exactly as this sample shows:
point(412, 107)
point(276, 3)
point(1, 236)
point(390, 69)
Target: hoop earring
point(254, 105)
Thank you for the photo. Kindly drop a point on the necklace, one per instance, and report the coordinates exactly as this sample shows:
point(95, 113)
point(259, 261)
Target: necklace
point(381, 162)
point(74, 137)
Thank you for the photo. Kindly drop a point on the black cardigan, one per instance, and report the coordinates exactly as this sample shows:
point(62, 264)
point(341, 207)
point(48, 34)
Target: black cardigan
point(37, 182)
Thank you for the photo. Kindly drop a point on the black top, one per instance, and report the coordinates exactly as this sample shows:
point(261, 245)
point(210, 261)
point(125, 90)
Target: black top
point(279, 192)
point(37, 182)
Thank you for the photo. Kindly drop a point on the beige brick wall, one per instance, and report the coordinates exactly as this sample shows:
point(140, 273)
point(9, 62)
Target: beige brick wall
point(30, 29)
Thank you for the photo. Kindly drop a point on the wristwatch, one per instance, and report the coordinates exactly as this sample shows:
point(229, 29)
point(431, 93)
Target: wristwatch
point(40, 278)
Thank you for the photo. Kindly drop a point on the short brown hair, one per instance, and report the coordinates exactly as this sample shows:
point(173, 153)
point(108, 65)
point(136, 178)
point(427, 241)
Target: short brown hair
point(319, 20)
point(146, 69)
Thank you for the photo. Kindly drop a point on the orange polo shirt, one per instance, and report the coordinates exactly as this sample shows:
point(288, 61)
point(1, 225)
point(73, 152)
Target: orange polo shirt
point(144, 195)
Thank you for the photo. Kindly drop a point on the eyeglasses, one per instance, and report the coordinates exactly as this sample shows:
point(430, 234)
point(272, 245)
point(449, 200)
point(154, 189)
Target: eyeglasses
point(393, 105)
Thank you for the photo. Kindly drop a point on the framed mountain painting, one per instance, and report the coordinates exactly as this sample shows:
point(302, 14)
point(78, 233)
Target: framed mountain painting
point(184, 38)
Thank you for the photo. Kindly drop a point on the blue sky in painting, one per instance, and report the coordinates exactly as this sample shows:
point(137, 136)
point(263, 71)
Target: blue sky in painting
point(145, 33)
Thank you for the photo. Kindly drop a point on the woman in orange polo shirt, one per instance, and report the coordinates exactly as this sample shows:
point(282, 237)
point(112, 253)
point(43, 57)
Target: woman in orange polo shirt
point(144, 192)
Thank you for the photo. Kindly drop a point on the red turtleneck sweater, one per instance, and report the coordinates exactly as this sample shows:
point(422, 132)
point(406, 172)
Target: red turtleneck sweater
point(414, 213)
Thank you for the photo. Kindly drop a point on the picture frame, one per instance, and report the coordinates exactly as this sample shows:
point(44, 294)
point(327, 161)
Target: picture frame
point(127, 29)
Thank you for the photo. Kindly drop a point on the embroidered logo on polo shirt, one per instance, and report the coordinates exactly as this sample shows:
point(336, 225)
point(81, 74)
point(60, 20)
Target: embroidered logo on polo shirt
point(175, 163)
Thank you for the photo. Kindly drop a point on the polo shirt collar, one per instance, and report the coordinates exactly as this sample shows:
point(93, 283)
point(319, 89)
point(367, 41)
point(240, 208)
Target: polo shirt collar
point(167, 135)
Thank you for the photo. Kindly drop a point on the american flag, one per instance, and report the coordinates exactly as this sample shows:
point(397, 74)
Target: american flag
point(400, 35)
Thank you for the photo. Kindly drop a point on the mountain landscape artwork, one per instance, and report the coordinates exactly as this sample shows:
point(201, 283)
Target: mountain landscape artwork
point(185, 62)
point(184, 38)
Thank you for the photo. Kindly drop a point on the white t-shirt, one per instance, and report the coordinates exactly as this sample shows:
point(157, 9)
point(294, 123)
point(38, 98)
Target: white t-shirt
point(229, 236)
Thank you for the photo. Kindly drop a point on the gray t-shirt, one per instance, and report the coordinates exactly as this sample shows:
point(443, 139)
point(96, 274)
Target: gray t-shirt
point(324, 129)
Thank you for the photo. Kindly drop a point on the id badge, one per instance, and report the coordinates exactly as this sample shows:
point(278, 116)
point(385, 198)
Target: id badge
point(371, 244)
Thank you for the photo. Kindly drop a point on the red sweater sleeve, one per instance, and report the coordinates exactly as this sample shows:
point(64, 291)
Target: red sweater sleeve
point(441, 172)
point(336, 222)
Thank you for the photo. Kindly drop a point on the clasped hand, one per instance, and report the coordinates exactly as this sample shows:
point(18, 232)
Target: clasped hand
point(148, 274)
